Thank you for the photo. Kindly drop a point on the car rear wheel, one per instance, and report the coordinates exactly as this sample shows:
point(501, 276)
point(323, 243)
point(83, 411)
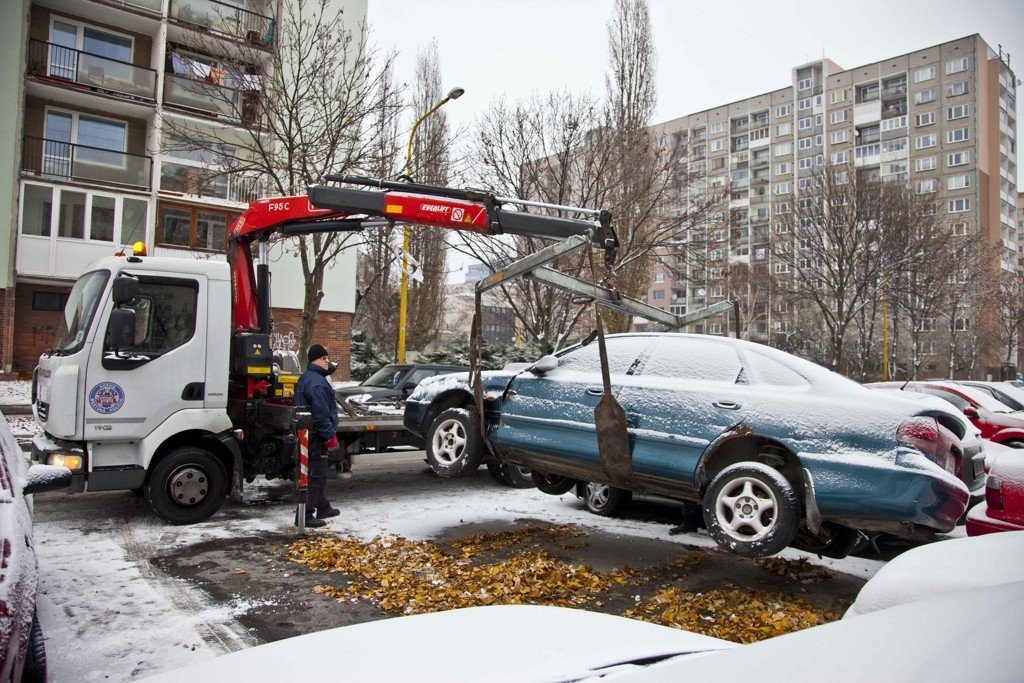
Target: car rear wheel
point(34, 670)
point(552, 484)
point(605, 500)
point(187, 486)
point(453, 443)
point(751, 509)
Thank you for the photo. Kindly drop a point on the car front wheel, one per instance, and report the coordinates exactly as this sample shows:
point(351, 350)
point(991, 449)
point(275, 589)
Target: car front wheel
point(453, 443)
point(751, 509)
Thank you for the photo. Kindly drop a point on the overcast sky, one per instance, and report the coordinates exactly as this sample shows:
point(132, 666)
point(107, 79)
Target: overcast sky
point(709, 53)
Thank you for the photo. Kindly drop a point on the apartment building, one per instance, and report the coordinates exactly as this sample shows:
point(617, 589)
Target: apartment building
point(97, 94)
point(942, 119)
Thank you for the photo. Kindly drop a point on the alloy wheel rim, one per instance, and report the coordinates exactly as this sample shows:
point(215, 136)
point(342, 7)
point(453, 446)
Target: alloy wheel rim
point(746, 509)
point(449, 442)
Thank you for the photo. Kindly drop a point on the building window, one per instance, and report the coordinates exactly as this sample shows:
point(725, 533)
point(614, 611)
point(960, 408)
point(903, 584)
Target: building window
point(805, 163)
point(718, 145)
point(782, 228)
point(804, 143)
point(959, 228)
point(715, 273)
point(783, 148)
point(783, 110)
point(193, 227)
point(718, 127)
point(958, 112)
point(956, 89)
point(960, 205)
point(49, 301)
point(958, 134)
point(803, 84)
point(926, 186)
point(101, 142)
point(840, 157)
point(838, 116)
point(839, 96)
point(958, 182)
point(925, 164)
point(716, 254)
point(925, 96)
point(783, 168)
point(956, 65)
point(659, 294)
point(783, 188)
point(781, 267)
point(962, 324)
point(718, 291)
point(782, 207)
point(842, 178)
point(925, 74)
point(924, 141)
point(718, 163)
point(81, 215)
point(958, 158)
point(840, 136)
point(805, 123)
point(803, 104)
point(926, 119)
point(783, 129)
point(66, 36)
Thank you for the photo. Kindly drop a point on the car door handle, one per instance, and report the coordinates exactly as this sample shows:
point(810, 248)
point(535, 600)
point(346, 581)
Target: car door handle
point(595, 391)
point(726, 405)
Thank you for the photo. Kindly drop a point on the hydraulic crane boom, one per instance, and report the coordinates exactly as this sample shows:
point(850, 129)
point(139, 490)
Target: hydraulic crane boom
point(329, 208)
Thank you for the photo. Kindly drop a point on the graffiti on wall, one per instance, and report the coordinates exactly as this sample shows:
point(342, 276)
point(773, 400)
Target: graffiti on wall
point(285, 337)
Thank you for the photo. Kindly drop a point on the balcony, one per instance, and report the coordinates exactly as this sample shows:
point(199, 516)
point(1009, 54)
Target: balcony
point(894, 91)
point(228, 20)
point(220, 101)
point(51, 62)
point(67, 161)
point(207, 182)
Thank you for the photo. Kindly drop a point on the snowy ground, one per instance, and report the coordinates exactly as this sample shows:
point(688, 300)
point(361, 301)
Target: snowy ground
point(108, 614)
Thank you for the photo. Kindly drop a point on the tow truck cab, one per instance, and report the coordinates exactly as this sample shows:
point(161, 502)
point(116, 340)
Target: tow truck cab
point(105, 413)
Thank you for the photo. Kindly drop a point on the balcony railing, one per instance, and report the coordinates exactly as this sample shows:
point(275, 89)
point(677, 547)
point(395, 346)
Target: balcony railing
point(218, 100)
point(68, 161)
point(206, 182)
point(101, 74)
point(230, 20)
point(151, 5)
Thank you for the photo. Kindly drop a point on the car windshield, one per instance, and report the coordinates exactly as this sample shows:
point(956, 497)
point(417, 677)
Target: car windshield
point(387, 377)
point(82, 304)
point(984, 399)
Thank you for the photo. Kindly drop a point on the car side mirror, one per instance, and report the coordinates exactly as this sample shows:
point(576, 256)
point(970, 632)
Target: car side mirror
point(971, 411)
point(121, 329)
point(124, 288)
point(41, 478)
point(545, 365)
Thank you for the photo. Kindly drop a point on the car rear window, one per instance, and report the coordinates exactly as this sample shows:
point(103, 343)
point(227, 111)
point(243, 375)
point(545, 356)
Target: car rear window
point(692, 358)
point(770, 371)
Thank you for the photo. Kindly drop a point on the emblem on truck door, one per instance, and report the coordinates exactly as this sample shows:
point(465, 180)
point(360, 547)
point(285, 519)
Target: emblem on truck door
point(106, 398)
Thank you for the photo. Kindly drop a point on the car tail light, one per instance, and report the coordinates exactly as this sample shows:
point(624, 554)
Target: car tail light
point(922, 433)
point(994, 492)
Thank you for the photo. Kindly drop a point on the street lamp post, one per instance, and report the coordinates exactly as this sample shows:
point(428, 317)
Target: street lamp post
point(403, 294)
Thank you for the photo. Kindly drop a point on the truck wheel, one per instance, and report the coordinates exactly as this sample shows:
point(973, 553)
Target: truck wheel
point(187, 486)
point(751, 509)
point(552, 484)
point(34, 670)
point(453, 443)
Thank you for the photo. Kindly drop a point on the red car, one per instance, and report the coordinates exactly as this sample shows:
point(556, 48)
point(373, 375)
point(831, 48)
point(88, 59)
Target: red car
point(996, 420)
point(1003, 509)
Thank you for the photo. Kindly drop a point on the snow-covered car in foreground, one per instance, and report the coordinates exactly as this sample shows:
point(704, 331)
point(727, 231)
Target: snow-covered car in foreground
point(22, 652)
point(766, 442)
point(891, 642)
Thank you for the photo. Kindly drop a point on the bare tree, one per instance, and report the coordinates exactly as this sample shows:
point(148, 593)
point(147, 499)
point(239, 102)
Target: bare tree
point(430, 164)
point(296, 112)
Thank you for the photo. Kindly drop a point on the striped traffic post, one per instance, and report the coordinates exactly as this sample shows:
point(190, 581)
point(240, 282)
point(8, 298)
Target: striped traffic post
point(303, 481)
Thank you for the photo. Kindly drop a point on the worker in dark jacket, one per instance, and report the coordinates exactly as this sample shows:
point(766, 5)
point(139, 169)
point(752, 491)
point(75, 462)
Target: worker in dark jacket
point(315, 392)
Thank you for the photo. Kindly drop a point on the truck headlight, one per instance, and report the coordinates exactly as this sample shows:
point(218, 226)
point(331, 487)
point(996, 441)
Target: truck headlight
point(72, 462)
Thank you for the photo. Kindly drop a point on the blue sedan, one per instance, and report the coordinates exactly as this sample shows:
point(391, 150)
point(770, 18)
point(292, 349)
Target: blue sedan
point(774, 448)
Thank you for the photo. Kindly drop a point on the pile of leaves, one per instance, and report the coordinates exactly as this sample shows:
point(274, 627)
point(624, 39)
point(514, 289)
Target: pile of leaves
point(411, 577)
point(736, 614)
point(799, 570)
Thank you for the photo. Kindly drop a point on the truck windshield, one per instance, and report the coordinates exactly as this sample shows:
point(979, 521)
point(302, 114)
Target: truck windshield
point(387, 377)
point(82, 304)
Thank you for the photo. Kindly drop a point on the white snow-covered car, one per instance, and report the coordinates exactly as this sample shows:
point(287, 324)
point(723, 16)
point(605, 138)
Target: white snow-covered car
point(974, 610)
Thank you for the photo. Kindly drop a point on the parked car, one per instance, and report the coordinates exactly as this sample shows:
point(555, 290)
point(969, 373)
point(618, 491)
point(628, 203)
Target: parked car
point(767, 442)
point(916, 635)
point(393, 383)
point(997, 421)
point(22, 651)
point(1003, 509)
point(1004, 392)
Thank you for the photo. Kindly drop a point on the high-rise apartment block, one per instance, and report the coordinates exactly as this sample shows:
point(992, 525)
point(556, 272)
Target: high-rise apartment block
point(92, 90)
point(942, 119)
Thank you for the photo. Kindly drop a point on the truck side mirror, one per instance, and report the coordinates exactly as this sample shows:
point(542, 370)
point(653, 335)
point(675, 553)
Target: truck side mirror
point(124, 288)
point(121, 329)
point(545, 365)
